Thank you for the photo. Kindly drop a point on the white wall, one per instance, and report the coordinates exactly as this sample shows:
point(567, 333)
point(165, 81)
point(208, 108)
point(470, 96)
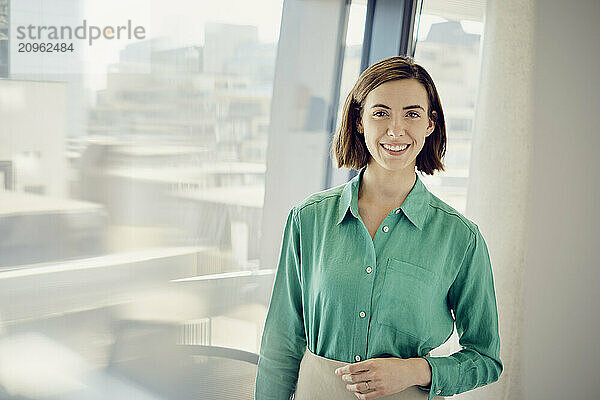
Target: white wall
point(561, 321)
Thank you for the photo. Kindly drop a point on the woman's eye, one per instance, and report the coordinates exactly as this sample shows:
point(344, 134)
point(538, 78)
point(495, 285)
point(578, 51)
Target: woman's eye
point(413, 114)
point(379, 114)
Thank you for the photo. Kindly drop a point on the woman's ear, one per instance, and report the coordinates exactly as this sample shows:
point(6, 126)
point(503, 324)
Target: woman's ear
point(359, 126)
point(431, 126)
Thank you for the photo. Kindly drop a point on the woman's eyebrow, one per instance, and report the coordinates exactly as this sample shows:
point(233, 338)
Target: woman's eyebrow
point(413, 106)
point(404, 108)
point(380, 105)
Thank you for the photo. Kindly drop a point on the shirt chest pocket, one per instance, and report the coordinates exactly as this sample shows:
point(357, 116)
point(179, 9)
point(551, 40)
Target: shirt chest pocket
point(406, 298)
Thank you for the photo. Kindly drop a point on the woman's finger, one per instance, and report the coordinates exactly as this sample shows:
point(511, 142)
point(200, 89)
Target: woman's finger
point(360, 387)
point(353, 378)
point(369, 396)
point(354, 368)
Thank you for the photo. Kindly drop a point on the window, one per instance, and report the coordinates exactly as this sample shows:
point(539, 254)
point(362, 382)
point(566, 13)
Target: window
point(132, 168)
point(448, 46)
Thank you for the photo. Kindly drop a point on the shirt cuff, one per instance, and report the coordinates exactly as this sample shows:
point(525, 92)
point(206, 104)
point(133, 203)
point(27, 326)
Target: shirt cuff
point(443, 376)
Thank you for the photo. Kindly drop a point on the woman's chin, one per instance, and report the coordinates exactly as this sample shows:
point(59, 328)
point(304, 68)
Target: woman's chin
point(395, 165)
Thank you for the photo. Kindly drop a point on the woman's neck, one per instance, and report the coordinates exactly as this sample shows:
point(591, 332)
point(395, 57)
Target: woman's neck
point(385, 187)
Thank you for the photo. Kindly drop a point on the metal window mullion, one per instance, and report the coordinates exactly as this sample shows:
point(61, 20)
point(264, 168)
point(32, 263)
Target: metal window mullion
point(337, 79)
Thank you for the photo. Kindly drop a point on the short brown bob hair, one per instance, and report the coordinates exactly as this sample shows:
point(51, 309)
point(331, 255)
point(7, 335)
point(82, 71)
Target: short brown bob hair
point(349, 147)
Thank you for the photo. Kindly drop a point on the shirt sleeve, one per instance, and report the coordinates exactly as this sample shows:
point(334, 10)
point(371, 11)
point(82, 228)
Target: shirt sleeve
point(473, 300)
point(283, 340)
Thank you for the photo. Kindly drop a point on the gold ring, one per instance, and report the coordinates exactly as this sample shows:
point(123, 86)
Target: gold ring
point(367, 383)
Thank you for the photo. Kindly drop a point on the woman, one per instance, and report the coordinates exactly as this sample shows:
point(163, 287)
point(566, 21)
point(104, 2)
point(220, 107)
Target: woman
point(373, 273)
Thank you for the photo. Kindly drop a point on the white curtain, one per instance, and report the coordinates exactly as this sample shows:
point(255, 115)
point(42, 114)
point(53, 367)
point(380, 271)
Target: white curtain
point(499, 172)
point(534, 192)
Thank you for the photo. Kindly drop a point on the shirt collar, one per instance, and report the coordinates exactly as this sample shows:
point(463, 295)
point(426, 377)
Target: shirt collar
point(415, 206)
point(349, 198)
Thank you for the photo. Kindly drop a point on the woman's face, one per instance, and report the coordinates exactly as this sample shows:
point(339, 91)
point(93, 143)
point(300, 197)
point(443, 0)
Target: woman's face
point(395, 123)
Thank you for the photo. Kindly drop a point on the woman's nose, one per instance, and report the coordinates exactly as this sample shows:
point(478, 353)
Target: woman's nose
point(396, 130)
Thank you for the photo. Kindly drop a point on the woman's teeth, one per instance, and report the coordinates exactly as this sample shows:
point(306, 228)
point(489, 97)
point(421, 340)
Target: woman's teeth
point(394, 148)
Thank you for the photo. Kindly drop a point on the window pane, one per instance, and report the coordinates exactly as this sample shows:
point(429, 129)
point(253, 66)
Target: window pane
point(448, 43)
point(131, 191)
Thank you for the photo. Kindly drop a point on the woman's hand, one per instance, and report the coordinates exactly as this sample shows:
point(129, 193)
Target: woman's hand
point(378, 377)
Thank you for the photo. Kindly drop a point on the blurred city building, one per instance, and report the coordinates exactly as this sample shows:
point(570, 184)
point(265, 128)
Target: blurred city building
point(143, 205)
point(451, 56)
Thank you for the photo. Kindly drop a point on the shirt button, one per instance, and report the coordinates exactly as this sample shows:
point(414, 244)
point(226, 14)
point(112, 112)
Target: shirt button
point(397, 211)
point(438, 391)
point(369, 270)
point(362, 314)
point(385, 228)
point(357, 358)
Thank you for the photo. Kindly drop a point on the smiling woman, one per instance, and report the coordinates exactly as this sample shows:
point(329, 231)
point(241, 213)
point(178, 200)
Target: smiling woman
point(392, 95)
point(360, 298)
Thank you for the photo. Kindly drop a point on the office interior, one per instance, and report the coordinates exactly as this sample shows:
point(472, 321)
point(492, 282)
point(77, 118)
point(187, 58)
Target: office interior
point(144, 184)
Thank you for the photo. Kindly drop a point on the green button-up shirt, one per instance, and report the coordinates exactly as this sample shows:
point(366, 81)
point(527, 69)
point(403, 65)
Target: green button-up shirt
point(351, 298)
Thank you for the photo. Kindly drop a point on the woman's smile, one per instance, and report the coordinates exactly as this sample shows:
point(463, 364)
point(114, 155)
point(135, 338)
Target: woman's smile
point(395, 149)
